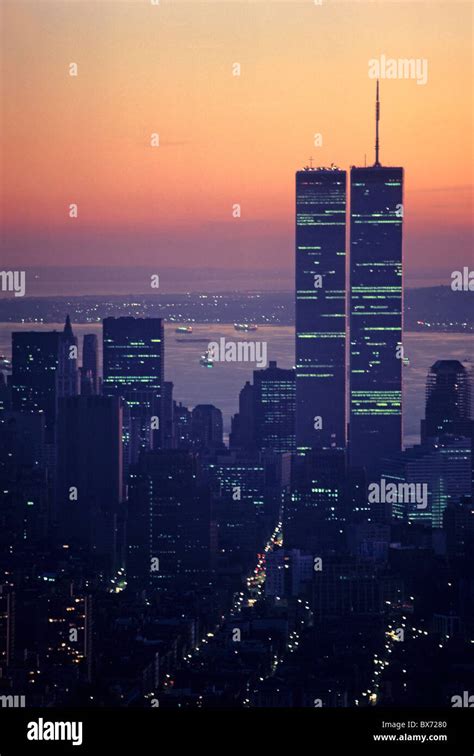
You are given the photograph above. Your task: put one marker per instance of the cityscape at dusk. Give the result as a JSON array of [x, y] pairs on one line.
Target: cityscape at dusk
[[236, 371]]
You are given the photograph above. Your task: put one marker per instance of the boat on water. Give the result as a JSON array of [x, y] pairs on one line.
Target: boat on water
[[192, 341], [205, 360], [245, 326], [184, 329]]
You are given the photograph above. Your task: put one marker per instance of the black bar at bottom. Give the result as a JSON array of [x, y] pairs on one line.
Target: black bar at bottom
[[319, 730]]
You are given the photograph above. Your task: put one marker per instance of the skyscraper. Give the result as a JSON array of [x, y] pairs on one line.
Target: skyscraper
[[90, 471], [445, 468], [320, 308], [68, 371], [266, 417], [207, 427], [314, 516], [134, 369], [89, 371], [24, 480], [275, 408], [238, 484], [168, 436], [242, 435], [182, 422], [35, 361], [44, 368], [168, 534], [376, 307], [448, 400]]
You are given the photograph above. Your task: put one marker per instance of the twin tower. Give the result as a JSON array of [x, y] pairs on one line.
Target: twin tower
[[349, 354]]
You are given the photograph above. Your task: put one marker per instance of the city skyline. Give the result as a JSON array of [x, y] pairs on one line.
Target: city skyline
[[253, 492]]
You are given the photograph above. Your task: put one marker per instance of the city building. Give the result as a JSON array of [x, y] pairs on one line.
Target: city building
[[90, 364], [34, 374], [133, 357], [448, 400], [316, 513], [266, 417], [443, 468], [169, 521], [237, 483], [376, 309], [242, 435], [68, 373], [274, 408], [320, 308], [207, 428], [89, 473], [182, 419]]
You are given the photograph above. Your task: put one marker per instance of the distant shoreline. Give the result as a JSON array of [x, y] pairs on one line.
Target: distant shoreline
[[431, 309]]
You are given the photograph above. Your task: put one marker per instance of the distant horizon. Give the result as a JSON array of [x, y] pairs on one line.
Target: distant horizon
[[107, 280]]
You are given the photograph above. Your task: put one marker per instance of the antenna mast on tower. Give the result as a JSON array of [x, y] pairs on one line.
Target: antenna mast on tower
[[377, 119]]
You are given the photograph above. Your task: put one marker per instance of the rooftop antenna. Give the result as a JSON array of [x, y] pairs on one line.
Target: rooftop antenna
[[377, 119], [311, 162]]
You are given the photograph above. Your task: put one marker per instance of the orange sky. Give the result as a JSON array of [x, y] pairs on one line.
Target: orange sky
[[223, 139]]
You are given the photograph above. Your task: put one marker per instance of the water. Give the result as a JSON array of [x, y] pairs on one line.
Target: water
[[220, 385]]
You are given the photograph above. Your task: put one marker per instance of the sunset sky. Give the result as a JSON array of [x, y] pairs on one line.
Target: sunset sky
[[224, 139]]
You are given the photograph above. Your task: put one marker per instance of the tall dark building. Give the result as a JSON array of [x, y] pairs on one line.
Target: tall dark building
[[448, 400], [90, 360], [89, 490], [444, 468], [320, 308], [44, 368], [169, 438], [315, 515], [238, 485], [242, 435], [266, 417], [68, 370], [133, 358], [207, 427], [24, 480], [168, 542], [376, 307], [275, 408], [35, 363], [182, 423]]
